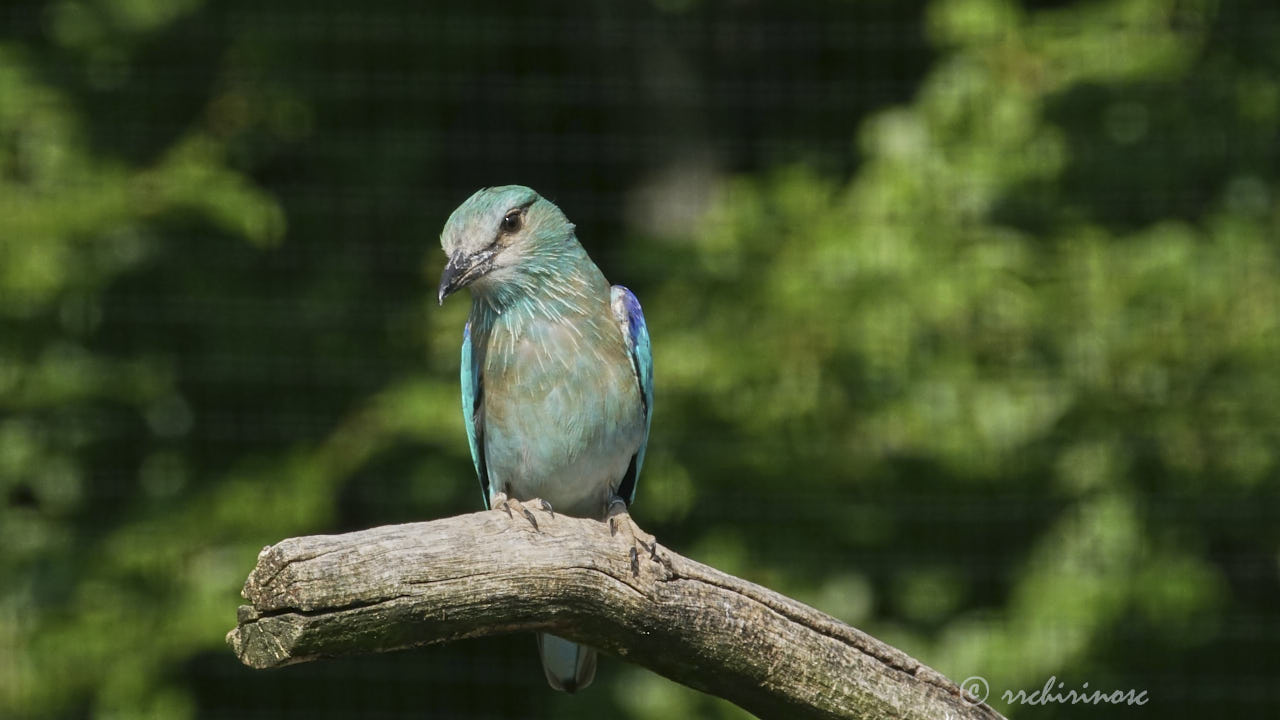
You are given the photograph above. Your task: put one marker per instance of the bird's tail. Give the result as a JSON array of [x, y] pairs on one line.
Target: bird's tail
[[568, 665]]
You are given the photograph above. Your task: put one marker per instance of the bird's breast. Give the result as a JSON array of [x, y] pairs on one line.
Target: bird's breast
[[563, 415]]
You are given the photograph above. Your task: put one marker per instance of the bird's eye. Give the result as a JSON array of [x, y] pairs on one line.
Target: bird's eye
[[511, 223]]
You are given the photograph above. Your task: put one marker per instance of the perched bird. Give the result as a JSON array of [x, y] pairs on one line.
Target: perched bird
[[557, 374]]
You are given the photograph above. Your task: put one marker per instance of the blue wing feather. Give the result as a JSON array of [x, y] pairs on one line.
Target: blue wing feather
[[472, 394], [627, 309]]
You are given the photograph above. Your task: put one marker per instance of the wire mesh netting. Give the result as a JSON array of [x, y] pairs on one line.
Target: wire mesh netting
[[964, 315]]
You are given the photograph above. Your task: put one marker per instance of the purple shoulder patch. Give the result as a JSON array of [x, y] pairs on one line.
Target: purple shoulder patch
[[630, 306]]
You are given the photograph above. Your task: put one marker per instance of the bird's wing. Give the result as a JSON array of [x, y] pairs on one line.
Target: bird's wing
[[472, 407], [626, 309]]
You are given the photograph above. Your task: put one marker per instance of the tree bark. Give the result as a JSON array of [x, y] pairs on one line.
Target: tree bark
[[489, 573]]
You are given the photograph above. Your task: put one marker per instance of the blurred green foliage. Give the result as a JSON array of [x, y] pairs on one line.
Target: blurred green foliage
[[999, 384]]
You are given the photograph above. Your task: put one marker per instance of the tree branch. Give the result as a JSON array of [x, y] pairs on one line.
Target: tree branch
[[488, 573]]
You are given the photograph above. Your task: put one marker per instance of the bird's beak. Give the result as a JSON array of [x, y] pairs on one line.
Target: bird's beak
[[449, 279], [461, 270]]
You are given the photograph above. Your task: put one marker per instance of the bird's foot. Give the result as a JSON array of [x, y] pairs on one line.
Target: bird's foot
[[500, 501], [641, 542]]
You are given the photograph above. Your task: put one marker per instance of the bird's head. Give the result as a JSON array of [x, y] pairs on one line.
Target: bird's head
[[502, 237]]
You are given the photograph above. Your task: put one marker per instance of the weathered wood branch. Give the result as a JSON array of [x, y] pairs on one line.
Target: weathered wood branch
[[488, 573]]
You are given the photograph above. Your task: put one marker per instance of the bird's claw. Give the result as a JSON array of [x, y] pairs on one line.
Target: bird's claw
[[617, 509], [547, 506], [501, 502], [528, 515], [620, 521]]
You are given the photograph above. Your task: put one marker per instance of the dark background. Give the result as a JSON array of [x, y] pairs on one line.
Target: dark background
[[965, 320]]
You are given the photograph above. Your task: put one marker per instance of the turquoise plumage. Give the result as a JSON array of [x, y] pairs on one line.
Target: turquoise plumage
[[557, 372]]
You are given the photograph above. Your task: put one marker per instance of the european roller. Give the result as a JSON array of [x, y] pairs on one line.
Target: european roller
[[557, 374]]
